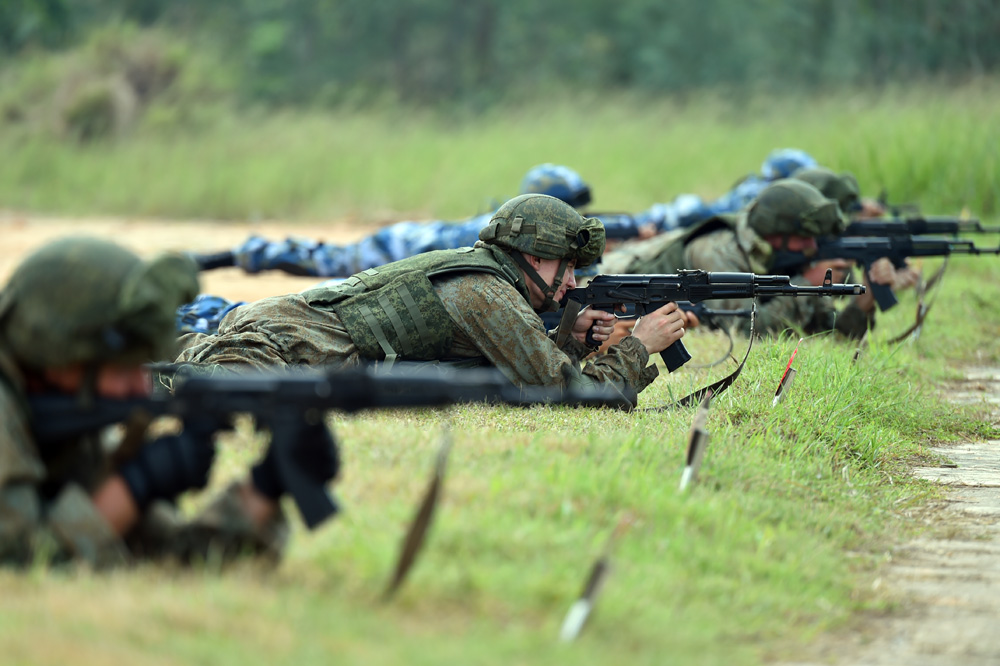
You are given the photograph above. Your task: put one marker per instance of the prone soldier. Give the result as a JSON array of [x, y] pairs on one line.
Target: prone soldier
[[788, 215], [81, 316], [476, 305]]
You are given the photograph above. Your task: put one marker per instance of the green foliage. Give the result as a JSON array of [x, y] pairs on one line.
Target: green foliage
[[120, 76], [91, 113], [443, 52]]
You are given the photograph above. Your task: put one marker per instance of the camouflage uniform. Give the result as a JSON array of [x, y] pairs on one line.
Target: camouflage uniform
[[474, 302], [302, 256], [203, 314], [731, 243], [46, 509]]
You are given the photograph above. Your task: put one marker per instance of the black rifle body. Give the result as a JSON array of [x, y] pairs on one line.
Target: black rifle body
[[865, 251], [285, 401], [917, 226], [647, 293]]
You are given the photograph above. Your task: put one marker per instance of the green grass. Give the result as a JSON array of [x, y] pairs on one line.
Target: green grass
[[795, 508], [932, 145], [797, 504]]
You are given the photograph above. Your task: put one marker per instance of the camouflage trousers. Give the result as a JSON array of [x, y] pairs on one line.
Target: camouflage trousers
[[301, 256]]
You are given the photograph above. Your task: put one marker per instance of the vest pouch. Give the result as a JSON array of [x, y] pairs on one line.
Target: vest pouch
[[403, 319]]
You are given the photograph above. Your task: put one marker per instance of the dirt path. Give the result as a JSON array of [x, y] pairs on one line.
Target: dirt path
[[948, 586], [20, 234]]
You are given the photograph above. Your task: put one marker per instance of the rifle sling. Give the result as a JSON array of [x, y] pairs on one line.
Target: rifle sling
[[717, 387], [570, 312], [922, 308]]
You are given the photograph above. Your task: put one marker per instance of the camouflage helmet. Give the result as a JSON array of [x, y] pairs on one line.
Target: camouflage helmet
[[794, 208], [545, 227], [82, 299], [843, 189], [783, 162], [557, 181]]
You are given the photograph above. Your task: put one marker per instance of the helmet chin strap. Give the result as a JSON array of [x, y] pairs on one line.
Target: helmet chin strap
[[548, 290]]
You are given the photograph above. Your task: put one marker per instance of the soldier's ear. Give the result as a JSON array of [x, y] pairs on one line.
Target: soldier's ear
[[533, 261]]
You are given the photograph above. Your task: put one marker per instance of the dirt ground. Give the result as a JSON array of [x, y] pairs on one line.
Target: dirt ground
[[20, 234], [947, 586]]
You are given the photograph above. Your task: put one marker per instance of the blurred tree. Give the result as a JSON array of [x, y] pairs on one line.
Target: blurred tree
[[26, 21], [442, 51]]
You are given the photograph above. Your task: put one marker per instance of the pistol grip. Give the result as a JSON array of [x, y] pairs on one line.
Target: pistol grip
[[312, 499], [675, 356], [884, 297]]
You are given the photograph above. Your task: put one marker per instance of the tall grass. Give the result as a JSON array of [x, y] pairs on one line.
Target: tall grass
[[926, 144]]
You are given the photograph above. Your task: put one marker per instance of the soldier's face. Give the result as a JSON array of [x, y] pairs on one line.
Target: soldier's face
[[112, 381], [791, 243], [546, 269]]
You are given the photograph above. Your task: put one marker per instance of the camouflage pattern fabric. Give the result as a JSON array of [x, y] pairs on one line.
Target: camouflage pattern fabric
[[842, 188], [493, 323], [204, 313], [46, 511], [301, 256], [745, 251]]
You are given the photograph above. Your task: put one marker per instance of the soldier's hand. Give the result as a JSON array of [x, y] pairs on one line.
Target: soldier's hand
[[691, 320], [660, 328], [905, 278], [168, 466], [647, 231], [599, 325], [870, 208], [882, 272]]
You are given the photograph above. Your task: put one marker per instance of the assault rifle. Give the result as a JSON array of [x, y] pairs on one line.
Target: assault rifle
[[864, 251], [283, 402], [651, 292], [917, 226]]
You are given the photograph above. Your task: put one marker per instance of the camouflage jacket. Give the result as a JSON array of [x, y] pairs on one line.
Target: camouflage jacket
[[492, 323], [740, 249]]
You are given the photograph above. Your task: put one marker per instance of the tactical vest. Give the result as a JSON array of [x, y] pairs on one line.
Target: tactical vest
[[393, 312], [671, 258]]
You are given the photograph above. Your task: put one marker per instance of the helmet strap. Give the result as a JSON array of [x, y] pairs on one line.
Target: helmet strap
[[548, 290]]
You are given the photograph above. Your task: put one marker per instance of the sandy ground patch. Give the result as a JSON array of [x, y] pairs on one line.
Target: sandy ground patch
[[22, 233]]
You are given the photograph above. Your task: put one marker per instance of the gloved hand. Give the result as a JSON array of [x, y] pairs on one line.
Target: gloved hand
[[166, 467], [311, 449]]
